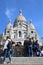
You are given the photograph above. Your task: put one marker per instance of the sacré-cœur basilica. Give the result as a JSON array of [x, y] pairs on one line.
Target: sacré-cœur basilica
[[20, 30]]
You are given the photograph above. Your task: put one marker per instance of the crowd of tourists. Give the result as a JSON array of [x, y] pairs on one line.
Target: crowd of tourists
[[31, 48]]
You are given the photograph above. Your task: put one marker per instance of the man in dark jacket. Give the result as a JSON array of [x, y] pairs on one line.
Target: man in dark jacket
[[34, 47], [26, 47], [29, 47], [38, 51]]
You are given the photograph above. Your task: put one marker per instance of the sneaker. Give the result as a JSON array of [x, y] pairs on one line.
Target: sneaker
[[10, 62], [4, 62]]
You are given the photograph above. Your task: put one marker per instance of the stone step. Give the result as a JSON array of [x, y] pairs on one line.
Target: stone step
[[21, 64], [26, 61]]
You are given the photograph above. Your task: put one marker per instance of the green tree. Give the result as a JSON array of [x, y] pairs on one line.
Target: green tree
[[0, 37]]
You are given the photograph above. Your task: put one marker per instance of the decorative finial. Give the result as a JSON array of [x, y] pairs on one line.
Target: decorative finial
[[20, 12], [30, 20], [3, 33], [9, 21]]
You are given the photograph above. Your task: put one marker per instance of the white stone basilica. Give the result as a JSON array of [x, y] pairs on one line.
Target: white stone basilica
[[20, 30]]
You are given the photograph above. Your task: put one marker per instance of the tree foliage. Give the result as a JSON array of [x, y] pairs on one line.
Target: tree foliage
[[0, 37]]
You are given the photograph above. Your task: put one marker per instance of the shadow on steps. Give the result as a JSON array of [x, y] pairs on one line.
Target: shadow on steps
[[1, 60]]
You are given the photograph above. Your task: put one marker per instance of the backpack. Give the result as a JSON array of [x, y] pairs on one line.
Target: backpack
[[9, 45]]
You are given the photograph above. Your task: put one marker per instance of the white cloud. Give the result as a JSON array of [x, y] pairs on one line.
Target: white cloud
[[10, 13]]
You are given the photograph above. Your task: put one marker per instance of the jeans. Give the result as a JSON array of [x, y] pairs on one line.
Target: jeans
[[6, 51], [30, 51]]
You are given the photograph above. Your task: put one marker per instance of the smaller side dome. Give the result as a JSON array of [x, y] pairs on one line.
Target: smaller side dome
[[31, 25], [9, 25]]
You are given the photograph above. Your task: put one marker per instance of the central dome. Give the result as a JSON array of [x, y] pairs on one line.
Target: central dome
[[20, 17]]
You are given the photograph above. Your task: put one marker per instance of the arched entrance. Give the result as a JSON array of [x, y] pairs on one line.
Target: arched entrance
[[19, 49], [19, 33], [19, 43]]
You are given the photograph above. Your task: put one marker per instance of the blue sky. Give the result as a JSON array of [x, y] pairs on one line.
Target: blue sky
[[9, 10]]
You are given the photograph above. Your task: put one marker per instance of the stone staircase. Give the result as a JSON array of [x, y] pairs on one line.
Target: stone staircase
[[25, 61]]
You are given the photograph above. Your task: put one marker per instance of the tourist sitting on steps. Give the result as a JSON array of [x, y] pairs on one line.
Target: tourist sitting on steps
[[38, 51]]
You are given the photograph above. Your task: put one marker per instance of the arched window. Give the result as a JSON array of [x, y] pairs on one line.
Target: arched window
[[31, 31], [7, 31], [14, 36], [19, 33]]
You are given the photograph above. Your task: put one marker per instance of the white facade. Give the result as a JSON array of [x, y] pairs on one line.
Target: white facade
[[20, 30]]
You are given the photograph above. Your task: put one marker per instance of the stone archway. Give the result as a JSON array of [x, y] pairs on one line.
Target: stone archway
[[19, 49], [19, 43]]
